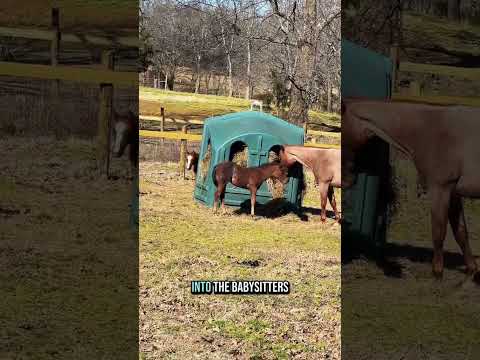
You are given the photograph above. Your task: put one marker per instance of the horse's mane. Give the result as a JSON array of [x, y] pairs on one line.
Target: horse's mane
[[275, 162]]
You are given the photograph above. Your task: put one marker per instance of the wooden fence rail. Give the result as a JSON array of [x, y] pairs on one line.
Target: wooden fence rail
[[176, 135], [172, 135], [438, 99], [465, 73], [68, 73], [414, 92], [336, 135], [170, 120], [49, 35]]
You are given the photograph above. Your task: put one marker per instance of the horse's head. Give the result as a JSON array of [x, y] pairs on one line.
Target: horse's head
[[280, 172], [123, 130], [192, 159]]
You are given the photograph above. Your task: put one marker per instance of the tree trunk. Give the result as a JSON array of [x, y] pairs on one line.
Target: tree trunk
[[299, 106], [207, 82], [248, 90], [230, 75], [197, 82], [454, 9], [171, 80], [329, 96], [298, 112]]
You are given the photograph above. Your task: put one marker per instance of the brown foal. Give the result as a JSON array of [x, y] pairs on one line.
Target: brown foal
[[246, 178]]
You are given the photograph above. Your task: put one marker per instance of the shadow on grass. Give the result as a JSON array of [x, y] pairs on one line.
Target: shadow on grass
[[317, 212], [389, 257], [277, 208], [274, 209]]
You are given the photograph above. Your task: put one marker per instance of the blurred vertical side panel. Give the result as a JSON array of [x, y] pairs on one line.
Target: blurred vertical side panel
[[68, 189], [410, 237]]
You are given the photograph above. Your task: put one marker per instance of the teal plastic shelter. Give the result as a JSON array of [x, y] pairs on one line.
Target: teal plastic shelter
[[366, 74], [260, 133]]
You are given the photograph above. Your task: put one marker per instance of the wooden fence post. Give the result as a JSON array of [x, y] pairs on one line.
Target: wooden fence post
[[54, 50], [55, 44], [104, 119], [162, 122], [183, 152]]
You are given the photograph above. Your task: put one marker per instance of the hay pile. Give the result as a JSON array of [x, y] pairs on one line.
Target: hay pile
[[275, 186], [240, 158], [205, 163]]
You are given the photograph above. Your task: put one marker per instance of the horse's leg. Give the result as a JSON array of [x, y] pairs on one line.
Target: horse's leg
[[439, 213], [323, 187], [253, 199], [223, 203], [459, 228], [218, 195], [331, 198]]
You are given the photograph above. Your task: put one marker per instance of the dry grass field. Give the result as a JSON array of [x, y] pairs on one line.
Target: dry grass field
[[181, 241], [62, 252], [405, 313]]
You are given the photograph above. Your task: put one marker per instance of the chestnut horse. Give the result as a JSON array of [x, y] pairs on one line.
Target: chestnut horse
[[443, 144], [326, 167], [192, 162], [125, 132], [246, 178]]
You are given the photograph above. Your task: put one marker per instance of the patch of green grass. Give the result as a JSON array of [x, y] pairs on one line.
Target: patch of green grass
[[330, 119], [255, 332], [189, 106], [252, 331]]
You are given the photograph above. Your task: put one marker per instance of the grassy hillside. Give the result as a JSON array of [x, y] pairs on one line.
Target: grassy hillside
[[433, 39], [190, 106]]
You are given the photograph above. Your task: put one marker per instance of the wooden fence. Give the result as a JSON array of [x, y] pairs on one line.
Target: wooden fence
[[50, 35], [163, 119], [178, 135], [105, 77], [415, 93], [183, 136]]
